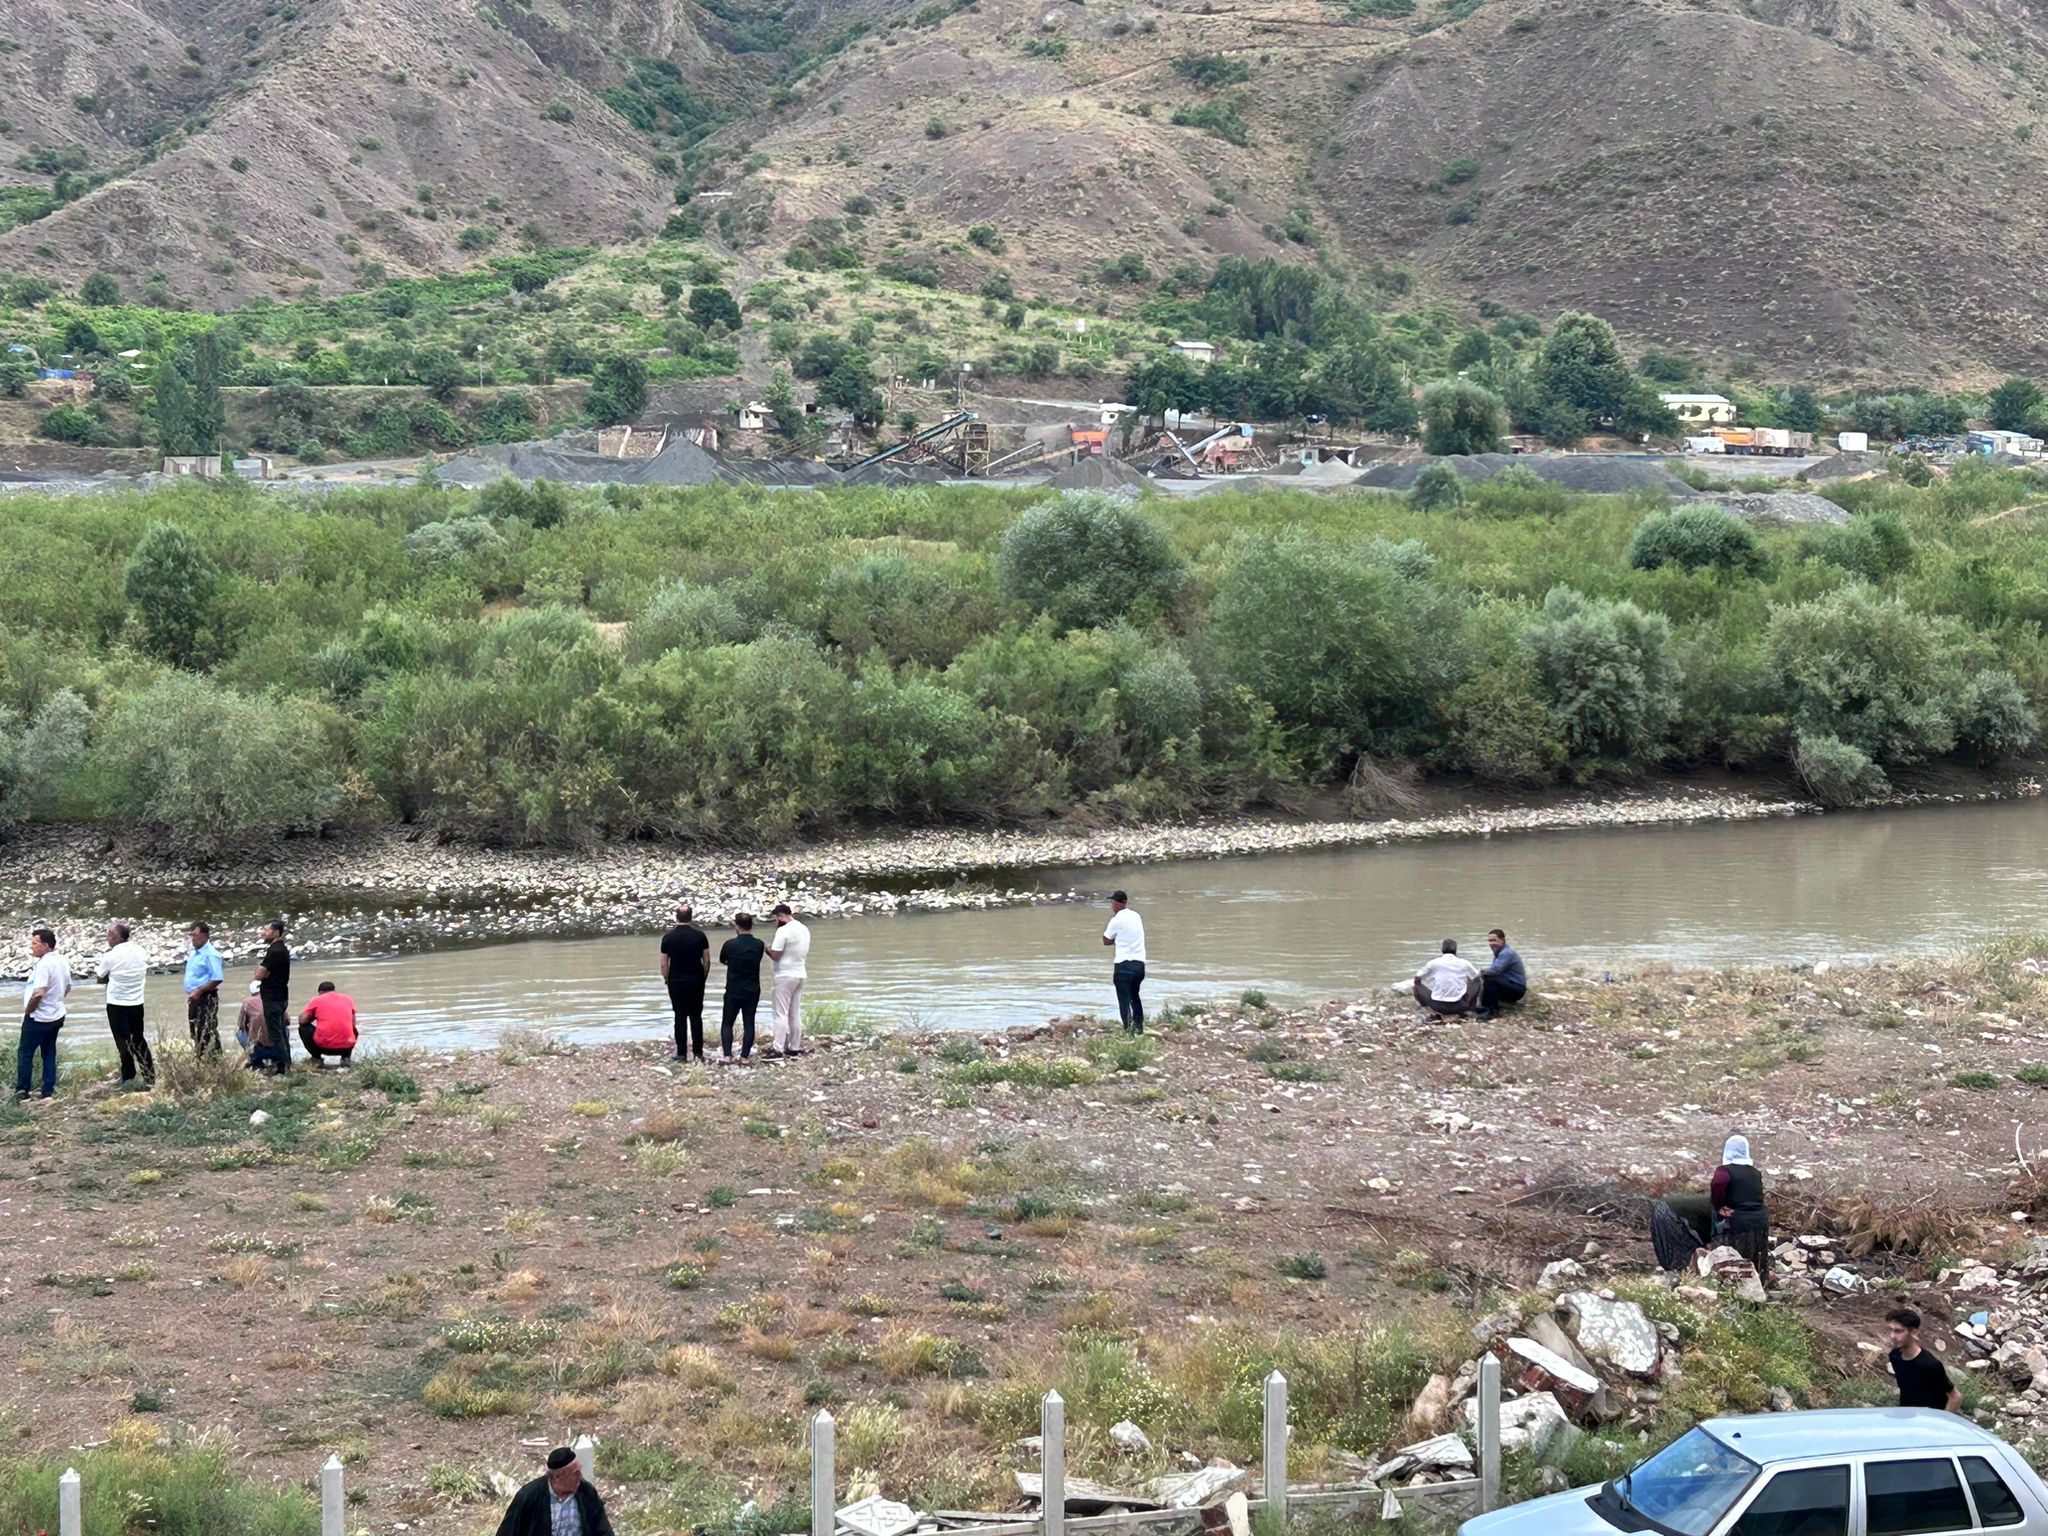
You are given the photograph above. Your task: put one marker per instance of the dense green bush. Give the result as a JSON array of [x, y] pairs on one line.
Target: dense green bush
[[1897, 685], [1460, 417], [1087, 558], [1695, 538], [206, 770], [1354, 644], [170, 584], [1610, 677], [1437, 489], [1836, 773], [728, 663]]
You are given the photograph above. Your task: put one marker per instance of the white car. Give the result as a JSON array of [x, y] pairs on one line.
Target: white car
[[1828, 1472]]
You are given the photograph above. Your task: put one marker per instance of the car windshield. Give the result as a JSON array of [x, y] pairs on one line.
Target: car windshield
[[1689, 1484]]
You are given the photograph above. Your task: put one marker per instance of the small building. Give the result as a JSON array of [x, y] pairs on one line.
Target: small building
[[1090, 442], [755, 417], [1715, 409], [256, 467], [1199, 353], [203, 466]]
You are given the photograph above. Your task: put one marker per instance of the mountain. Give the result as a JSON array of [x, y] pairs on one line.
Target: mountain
[[1829, 189]]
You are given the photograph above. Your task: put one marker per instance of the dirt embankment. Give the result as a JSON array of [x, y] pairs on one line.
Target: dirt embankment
[[437, 1265]]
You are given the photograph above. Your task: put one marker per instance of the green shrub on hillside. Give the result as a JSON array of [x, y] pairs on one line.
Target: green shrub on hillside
[[1460, 417], [1438, 488]]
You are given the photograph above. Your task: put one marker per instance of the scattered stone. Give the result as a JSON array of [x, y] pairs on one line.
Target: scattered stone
[[1130, 1437], [1733, 1273], [1843, 1281], [1441, 1453], [1537, 1424], [1560, 1274]]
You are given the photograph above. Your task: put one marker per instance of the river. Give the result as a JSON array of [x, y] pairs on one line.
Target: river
[[1295, 926]]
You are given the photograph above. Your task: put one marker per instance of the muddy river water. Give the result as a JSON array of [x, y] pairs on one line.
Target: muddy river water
[[1295, 926]]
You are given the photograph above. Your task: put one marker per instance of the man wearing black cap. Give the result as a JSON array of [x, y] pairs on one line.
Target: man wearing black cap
[[559, 1504]]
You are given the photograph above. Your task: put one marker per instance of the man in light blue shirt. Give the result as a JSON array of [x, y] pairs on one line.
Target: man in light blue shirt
[[203, 976]]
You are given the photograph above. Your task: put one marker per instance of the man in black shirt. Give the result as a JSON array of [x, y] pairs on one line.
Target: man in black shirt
[[274, 982], [1923, 1380], [741, 956], [685, 962]]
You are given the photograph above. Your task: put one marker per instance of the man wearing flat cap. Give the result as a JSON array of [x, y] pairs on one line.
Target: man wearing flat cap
[[560, 1503]]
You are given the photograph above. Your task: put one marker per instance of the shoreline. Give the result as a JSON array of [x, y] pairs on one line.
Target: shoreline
[[395, 890]]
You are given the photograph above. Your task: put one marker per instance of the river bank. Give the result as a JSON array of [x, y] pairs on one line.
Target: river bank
[[435, 1265], [395, 890]]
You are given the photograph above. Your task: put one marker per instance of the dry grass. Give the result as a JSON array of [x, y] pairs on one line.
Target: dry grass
[[767, 1346], [696, 1369], [249, 1269], [522, 1285], [662, 1125]]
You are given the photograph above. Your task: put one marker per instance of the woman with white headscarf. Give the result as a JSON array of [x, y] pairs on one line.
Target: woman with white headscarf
[[1740, 1217]]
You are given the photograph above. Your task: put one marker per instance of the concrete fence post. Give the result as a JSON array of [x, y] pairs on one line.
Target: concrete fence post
[[330, 1497], [586, 1456], [1052, 1464], [70, 1514], [1274, 1466], [824, 1482], [1489, 1434]]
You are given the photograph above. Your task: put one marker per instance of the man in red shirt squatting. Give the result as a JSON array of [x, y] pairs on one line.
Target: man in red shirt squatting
[[328, 1026]]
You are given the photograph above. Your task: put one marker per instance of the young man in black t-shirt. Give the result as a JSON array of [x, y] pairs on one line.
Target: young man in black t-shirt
[[1923, 1380], [685, 962], [274, 984], [741, 956]]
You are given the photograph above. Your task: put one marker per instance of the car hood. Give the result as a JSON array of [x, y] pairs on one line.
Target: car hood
[[1561, 1514]]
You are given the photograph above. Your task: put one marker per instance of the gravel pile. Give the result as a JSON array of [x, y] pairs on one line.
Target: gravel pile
[[1845, 466], [1097, 474], [1779, 506]]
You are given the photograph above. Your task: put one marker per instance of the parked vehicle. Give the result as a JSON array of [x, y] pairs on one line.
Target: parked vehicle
[[1774, 441], [1827, 1472]]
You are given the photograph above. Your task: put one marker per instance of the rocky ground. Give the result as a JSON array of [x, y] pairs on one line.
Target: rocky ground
[[400, 889], [435, 1266]]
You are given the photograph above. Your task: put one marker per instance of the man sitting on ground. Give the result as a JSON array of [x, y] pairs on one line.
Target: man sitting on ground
[[1503, 983], [328, 1026], [1448, 984]]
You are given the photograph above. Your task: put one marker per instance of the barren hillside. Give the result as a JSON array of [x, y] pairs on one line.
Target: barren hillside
[[1837, 188]]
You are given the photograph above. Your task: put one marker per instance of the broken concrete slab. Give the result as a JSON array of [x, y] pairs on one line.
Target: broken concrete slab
[[1083, 1496], [1442, 1453], [1612, 1332], [1546, 1330], [878, 1517], [1536, 1369], [1536, 1424], [1192, 1490]]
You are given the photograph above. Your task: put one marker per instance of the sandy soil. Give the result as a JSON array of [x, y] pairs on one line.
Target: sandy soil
[[299, 1283]]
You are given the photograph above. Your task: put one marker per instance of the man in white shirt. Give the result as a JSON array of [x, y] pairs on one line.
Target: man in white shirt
[[42, 1012], [123, 968], [1449, 983], [788, 949], [1126, 935]]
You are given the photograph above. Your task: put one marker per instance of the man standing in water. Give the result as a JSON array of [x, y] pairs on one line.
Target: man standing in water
[[788, 948], [685, 962], [203, 976], [741, 957], [274, 981], [1126, 936]]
